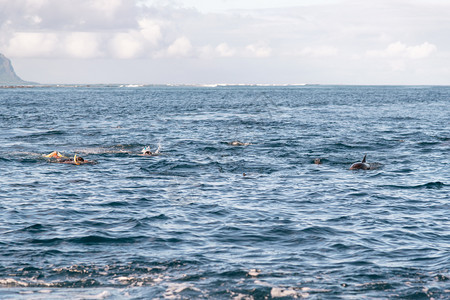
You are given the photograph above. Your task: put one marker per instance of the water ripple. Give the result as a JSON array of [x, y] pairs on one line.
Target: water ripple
[[206, 219]]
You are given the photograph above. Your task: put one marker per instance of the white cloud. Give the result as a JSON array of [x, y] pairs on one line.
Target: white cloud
[[150, 30], [258, 50], [126, 45], [322, 51], [107, 7], [398, 65], [181, 47], [224, 50], [400, 50], [339, 31], [421, 51], [31, 44], [82, 45]]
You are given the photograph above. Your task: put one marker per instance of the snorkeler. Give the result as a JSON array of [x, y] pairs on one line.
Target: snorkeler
[[147, 152], [61, 159], [76, 160], [55, 154]]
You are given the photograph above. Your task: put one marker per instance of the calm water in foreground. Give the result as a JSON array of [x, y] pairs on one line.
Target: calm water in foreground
[[188, 224]]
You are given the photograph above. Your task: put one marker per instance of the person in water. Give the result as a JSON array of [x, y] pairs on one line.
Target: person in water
[[146, 151], [59, 158], [55, 154]]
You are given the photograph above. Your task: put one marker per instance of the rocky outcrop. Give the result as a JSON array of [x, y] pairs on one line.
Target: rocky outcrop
[[7, 74]]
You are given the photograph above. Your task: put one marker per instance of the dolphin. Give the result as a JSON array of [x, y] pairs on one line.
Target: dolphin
[[361, 165]]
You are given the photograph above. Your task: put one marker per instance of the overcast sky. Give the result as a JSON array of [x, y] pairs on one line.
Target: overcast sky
[[228, 41]]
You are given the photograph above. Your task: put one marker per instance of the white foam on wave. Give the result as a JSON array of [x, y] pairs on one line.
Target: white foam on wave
[[158, 149], [26, 292], [277, 292], [262, 283], [175, 288], [138, 281], [213, 85], [102, 295], [12, 282], [131, 85], [238, 296], [254, 272]]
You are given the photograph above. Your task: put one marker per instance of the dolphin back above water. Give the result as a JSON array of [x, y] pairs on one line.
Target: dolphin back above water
[[361, 165]]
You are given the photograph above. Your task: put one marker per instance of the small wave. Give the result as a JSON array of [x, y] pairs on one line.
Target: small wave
[[83, 283], [321, 230], [95, 239], [429, 185], [34, 228], [115, 203], [160, 217], [87, 240], [43, 133]]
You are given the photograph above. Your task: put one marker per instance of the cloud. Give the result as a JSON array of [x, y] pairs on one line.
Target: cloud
[[299, 35], [258, 50], [180, 47], [31, 44], [400, 50], [82, 45], [126, 45], [150, 30], [224, 50], [421, 51], [109, 8], [321, 51]]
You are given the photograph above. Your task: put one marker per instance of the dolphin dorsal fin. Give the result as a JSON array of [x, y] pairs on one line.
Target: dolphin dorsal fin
[[364, 158]]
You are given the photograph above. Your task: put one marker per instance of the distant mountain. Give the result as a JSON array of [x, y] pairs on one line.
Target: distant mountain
[[7, 74]]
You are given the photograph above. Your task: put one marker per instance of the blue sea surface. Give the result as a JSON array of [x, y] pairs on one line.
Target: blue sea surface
[[209, 220]]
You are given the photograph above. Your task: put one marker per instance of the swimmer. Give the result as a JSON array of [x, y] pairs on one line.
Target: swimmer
[[146, 151], [55, 154], [76, 160], [317, 161], [56, 157]]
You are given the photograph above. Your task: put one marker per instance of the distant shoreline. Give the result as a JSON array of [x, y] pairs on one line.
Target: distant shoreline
[[117, 85]]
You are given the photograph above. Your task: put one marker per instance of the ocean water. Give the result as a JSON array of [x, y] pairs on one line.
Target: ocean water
[[209, 220]]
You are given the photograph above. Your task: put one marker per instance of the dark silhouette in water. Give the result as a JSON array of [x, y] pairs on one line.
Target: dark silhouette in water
[[361, 165]]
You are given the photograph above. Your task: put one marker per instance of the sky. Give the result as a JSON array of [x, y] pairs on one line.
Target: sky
[[228, 41]]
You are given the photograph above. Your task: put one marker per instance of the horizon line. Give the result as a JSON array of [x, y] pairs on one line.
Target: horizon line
[[211, 85]]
